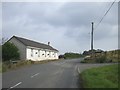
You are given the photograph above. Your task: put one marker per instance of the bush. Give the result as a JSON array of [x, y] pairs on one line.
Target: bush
[[83, 61], [72, 55], [5, 67], [10, 52], [101, 59]]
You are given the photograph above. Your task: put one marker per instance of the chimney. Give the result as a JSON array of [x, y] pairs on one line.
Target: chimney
[[49, 43]]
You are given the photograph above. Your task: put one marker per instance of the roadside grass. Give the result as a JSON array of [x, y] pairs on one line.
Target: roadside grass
[[6, 66], [101, 77], [0, 67], [104, 57]]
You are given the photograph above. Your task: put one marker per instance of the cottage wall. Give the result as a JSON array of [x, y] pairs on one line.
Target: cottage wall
[[20, 46], [38, 54], [33, 53]]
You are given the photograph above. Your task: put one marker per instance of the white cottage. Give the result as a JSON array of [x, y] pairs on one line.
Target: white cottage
[[31, 50]]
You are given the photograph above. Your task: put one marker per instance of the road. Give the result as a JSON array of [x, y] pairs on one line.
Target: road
[[57, 74]]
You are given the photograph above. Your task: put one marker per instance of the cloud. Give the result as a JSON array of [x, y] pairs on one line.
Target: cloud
[[67, 25]]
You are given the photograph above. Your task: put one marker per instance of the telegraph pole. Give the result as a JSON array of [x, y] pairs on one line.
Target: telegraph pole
[[92, 37]]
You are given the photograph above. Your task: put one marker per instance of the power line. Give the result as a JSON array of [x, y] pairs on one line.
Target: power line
[[104, 15], [102, 10]]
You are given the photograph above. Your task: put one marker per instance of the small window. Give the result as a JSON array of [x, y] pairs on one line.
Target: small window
[[49, 54], [45, 53], [31, 52], [36, 52]]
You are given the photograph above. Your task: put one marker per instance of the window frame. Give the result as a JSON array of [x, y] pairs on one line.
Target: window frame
[[38, 53], [31, 52]]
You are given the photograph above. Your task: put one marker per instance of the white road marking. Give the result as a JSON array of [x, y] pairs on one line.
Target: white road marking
[[78, 70], [15, 85], [35, 75]]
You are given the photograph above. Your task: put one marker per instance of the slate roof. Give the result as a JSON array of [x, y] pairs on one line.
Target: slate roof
[[31, 43]]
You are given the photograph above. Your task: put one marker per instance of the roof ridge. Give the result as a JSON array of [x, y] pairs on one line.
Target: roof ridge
[[30, 40]]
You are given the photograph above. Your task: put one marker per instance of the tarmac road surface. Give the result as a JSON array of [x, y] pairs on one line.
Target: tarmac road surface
[[57, 74]]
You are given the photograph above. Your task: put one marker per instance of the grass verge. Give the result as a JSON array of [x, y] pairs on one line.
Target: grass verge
[[101, 77], [0, 67]]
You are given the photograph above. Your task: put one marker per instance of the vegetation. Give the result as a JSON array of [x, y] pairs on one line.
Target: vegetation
[[11, 58], [0, 67], [101, 77], [113, 55], [0, 58], [94, 51], [72, 55], [10, 52], [103, 57]]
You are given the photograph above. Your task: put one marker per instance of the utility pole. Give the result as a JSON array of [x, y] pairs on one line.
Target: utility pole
[[92, 37], [92, 41]]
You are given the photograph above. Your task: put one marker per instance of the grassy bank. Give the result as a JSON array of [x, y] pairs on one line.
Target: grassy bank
[[101, 77], [10, 66], [0, 67], [104, 57]]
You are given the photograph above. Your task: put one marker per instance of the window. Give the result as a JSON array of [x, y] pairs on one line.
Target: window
[[55, 55], [49, 54], [31, 52], [38, 53], [45, 53]]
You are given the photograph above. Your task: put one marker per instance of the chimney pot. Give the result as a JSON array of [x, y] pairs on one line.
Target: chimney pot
[[48, 43]]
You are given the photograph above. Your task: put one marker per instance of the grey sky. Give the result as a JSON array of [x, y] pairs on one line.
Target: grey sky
[[66, 25]]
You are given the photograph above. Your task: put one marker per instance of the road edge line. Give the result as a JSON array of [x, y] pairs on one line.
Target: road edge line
[[78, 70]]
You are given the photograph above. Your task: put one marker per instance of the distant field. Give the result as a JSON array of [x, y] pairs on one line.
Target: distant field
[[101, 77]]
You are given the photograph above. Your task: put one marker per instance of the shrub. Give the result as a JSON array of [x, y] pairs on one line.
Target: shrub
[[101, 59], [83, 61], [4, 67], [72, 55], [10, 52]]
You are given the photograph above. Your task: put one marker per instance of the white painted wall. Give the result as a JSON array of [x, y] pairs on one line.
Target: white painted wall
[[40, 54]]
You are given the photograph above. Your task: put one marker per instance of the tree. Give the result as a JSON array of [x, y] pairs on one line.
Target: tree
[[10, 52], [72, 55]]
